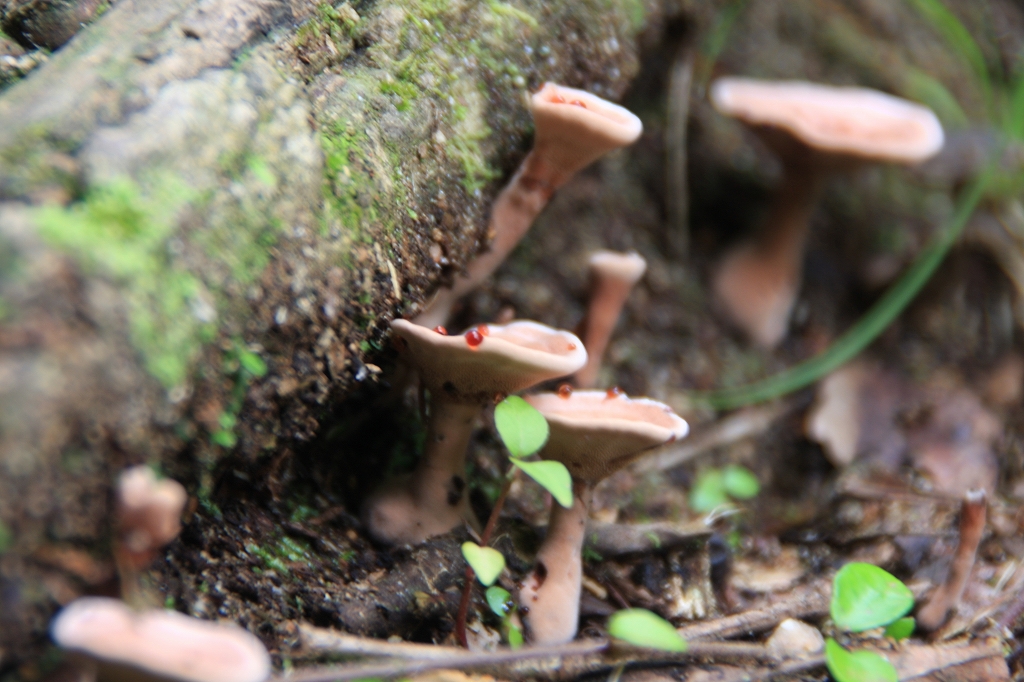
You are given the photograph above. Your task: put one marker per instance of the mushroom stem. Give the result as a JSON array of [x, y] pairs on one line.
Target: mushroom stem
[[550, 596], [432, 500], [758, 282], [512, 214], [612, 277]]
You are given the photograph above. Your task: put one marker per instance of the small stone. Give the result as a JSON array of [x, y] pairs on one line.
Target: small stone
[[795, 638]]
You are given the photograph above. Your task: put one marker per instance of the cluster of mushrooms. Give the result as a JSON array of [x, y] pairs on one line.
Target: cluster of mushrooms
[[110, 640], [814, 130]]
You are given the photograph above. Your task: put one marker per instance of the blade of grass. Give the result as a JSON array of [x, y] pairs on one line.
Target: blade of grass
[[959, 38], [867, 329], [717, 39]]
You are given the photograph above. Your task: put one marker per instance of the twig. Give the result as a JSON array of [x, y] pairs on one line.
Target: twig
[[617, 539], [676, 185], [450, 657], [566, 660], [808, 601], [746, 423], [972, 527]]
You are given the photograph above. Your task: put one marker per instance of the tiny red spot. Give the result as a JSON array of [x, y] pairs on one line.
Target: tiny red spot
[[565, 391], [614, 392], [474, 338], [572, 346], [441, 330], [557, 99], [484, 331], [578, 103]]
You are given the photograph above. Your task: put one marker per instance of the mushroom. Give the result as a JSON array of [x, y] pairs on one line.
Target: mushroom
[[594, 434], [149, 515], [573, 128], [462, 373], [814, 129], [612, 276], [157, 645]]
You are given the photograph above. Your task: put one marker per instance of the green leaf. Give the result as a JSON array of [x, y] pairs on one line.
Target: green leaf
[[859, 666], [901, 629], [224, 438], [640, 627], [740, 482], [514, 636], [708, 491], [486, 562], [499, 600], [6, 538], [865, 596], [553, 476], [252, 363], [522, 428]]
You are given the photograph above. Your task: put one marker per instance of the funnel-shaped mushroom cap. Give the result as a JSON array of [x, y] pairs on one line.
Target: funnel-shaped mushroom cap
[[596, 433], [574, 128], [841, 120], [163, 644], [624, 267], [490, 360]]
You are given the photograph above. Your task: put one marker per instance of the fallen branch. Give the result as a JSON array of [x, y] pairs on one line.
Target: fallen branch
[[746, 423], [567, 660]]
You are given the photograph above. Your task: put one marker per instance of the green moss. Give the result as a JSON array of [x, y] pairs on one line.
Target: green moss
[[326, 38], [506, 10], [119, 233], [280, 551]]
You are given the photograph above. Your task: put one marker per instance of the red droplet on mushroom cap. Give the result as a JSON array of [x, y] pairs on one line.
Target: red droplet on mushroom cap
[[565, 391], [614, 392], [516, 356], [484, 331], [441, 330]]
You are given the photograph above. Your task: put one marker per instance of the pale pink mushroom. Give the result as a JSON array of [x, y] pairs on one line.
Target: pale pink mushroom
[[157, 644], [594, 434], [148, 516], [814, 129], [612, 276], [572, 129], [462, 373]]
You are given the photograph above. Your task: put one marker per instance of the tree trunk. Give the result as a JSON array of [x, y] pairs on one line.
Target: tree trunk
[[210, 210]]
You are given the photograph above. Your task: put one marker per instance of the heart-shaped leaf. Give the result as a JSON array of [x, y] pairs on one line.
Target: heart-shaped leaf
[[708, 491], [522, 428], [859, 666], [640, 627], [740, 482], [487, 563], [553, 476], [499, 600], [901, 629], [865, 596]]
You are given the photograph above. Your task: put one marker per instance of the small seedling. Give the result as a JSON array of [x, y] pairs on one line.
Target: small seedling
[[524, 431], [865, 596], [640, 627], [487, 563], [857, 666], [503, 607], [718, 487]]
